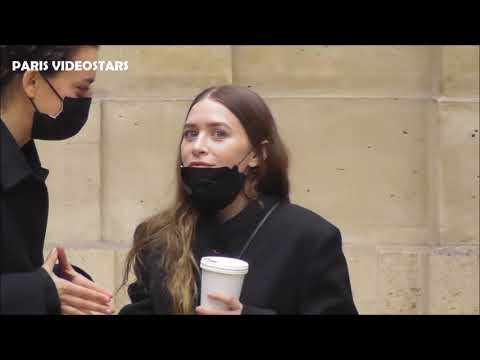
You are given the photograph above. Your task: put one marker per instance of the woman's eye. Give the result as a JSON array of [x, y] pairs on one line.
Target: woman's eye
[[189, 134], [219, 133]]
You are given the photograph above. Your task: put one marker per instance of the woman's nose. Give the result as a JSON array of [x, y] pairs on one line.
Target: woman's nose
[[200, 146]]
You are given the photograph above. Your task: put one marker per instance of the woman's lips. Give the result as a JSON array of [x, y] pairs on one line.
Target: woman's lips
[[199, 164]]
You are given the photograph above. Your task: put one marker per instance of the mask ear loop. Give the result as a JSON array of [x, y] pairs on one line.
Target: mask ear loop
[[244, 158], [251, 150], [56, 93], [51, 87]]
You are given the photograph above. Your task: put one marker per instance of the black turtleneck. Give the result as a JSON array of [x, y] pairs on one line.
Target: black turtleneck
[[228, 239], [296, 263]]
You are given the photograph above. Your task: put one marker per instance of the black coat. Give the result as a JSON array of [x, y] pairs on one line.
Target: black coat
[[25, 287], [296, 263]]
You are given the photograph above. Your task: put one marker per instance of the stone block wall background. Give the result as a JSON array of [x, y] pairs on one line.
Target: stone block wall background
[[384, 142]]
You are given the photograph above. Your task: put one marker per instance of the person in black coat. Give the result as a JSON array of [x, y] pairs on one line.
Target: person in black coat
[[39, 103], [233, 201]]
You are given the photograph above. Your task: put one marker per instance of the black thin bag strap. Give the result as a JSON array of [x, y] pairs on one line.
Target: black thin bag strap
[[249, 241]]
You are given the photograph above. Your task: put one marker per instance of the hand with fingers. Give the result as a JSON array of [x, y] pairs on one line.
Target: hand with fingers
[[234, 306], [78, 295]]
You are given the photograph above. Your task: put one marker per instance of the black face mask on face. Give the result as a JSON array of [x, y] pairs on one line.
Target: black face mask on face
[[67, 123], [212, 189]]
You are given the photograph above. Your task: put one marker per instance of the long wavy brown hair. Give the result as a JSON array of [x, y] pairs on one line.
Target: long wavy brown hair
[[172, 231]]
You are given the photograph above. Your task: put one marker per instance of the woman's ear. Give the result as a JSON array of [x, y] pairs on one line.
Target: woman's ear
[[254, 160], [30, 83]]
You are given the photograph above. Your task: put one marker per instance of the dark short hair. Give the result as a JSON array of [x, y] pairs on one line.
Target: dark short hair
[[49, 53]]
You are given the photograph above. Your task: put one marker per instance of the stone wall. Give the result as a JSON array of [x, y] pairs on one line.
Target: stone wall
[[384, 143]]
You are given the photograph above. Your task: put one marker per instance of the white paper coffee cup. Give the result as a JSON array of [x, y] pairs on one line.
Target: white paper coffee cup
[[221, 275]]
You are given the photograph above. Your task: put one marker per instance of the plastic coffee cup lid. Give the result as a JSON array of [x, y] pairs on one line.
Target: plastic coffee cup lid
[[224, 265]]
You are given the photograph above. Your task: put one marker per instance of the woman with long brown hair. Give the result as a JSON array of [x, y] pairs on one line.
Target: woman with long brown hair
[[232, 176]]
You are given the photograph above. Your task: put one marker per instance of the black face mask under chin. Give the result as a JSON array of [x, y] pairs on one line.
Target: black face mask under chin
[[67, 123], [212, 189]]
